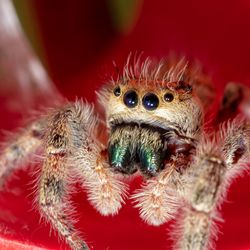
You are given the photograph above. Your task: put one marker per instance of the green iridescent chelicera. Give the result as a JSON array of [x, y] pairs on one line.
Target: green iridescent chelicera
[[119, 155], [151, 159], [131, 147], [119, 149]]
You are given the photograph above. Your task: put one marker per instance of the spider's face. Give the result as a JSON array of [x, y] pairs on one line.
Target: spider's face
[[143, 117], [171, 107]]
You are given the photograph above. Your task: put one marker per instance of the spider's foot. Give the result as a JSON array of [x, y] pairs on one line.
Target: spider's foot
[[77, 243]]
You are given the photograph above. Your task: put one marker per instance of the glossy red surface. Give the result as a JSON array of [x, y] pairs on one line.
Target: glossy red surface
[[81, 44]]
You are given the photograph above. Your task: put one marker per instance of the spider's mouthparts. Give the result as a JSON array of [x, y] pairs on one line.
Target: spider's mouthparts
[[130, 144]]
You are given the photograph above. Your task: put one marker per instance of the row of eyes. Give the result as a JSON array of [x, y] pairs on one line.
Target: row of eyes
[[150, 101]]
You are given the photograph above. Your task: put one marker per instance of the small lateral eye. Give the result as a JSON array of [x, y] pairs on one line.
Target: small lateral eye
[[117, 91], [168, 97]]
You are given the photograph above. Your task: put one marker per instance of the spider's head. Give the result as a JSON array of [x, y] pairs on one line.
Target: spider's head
[[172, 106], [143, 108]]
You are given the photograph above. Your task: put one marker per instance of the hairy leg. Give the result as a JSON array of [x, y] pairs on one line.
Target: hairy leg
[[235, 100], [105, 191], [208, 179], [71, 150], [196, 224], [160, 197], [53, 202], [158, 200], [55, 176], [20, 149]]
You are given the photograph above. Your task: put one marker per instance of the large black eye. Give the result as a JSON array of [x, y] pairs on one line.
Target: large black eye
[[150, 101], [168, 97], [130, 99], [117, 91]]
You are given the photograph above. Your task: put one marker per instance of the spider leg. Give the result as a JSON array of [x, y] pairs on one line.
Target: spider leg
[[195, 226], [235, 100], [158, 200], [160, 197], [105, 192], [71, 149], [217, 160], [16, 152], [233, 97], [53, 201]]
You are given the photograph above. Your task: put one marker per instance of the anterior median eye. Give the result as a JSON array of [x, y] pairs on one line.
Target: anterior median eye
[[117, 91], [168, 97], [130, 99], [150, 101]]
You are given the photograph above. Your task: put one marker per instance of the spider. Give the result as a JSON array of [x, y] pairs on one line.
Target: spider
[[153, 125]]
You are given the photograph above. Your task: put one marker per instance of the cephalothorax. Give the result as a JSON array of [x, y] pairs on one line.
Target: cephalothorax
[[153, 123], [144, 115]]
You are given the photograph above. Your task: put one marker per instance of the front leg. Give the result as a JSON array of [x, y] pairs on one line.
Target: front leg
[[53, 200], [203, 192], [217, 160], [55, 178], [71, 149]]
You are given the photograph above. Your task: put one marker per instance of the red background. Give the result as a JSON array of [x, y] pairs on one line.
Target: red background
[[80, 43]]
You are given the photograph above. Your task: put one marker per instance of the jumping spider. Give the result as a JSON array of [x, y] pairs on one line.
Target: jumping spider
[[154, 125]]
